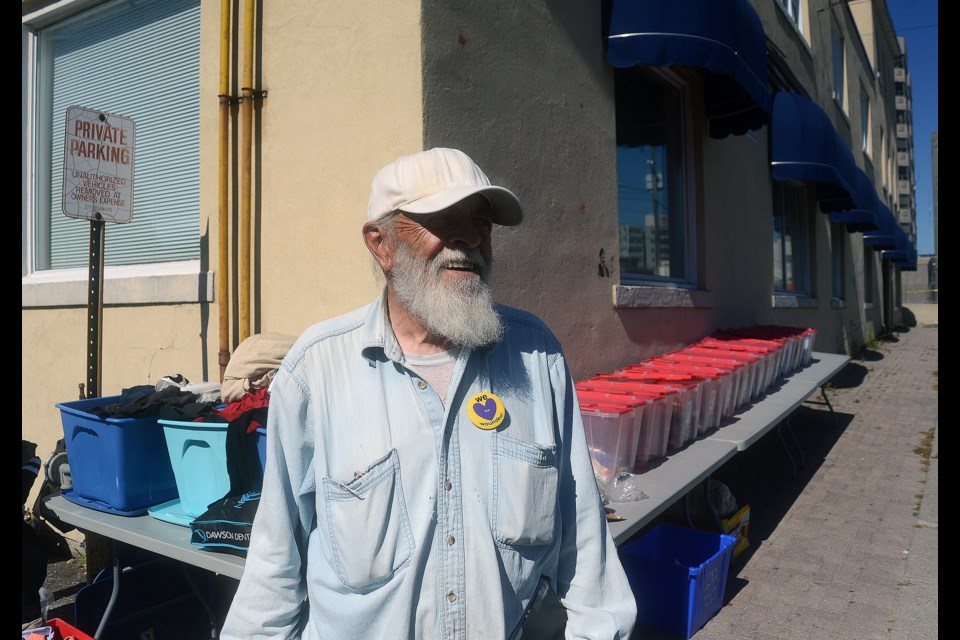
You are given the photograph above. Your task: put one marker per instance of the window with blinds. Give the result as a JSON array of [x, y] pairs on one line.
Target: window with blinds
[[140, 60]]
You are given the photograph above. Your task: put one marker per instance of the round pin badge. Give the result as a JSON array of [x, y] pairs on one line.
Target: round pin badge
[[486, 411]]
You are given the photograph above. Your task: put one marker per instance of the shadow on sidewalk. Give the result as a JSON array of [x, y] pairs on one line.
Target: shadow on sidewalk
[[763, 476], [851, 376]]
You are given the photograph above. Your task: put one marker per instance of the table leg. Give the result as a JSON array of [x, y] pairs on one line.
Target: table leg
[[113, 594], [793, 434], [203, 601], [786, 449], [823, 392]]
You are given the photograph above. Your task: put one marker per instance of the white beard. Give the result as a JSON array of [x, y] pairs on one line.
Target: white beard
[[461, 313]]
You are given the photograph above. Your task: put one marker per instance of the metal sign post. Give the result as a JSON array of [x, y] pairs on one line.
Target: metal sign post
[[95, 309], [98, 152]]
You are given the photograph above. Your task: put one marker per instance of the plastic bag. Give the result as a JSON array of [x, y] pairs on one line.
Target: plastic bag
[[722, 500], [623, 487]]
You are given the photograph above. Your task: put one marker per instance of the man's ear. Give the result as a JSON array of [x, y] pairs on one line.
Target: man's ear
[[379, 244]]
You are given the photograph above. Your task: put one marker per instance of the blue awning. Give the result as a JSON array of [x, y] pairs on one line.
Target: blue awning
[[863, 218], [902, 252], [805, 146], [894, 255], [911, 262], [905, 254], [724, 38], [885, 236]]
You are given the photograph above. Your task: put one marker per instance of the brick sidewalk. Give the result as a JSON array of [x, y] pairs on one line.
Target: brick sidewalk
[[829, 547]]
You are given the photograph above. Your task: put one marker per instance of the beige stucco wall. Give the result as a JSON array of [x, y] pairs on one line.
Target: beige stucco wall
[[140, 346], [344, 99], [343, 82]]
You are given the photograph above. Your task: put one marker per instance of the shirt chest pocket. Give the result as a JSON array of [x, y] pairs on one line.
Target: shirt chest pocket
[[525, 480], [368, 526]]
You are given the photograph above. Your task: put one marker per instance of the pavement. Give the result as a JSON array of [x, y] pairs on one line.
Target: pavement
[[843, 547]]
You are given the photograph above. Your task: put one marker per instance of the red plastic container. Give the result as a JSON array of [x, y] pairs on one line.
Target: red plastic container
[[611, 432], [767, 353], [710, 401], [690, 395], [777, 349], [681, 417], [657, 415], [756, 364], [649, 436], [63, 630], [736, 370]]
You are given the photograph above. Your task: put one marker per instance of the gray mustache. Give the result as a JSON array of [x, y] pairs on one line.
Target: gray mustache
[[449, 257]]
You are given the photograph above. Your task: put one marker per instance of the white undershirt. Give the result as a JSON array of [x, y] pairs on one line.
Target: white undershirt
[[435, 368]]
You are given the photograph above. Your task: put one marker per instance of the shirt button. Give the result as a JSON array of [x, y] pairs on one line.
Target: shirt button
[[451, 539], [448, 485], [451, 596], [421, 385]]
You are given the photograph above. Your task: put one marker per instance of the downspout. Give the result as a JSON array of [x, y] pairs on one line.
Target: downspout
[[246, 128], [223, 225]]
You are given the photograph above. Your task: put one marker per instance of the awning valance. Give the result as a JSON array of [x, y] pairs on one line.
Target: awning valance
[[885, 236], [805, 146], [904, 256], [863, 218], [723, 38], [910, 264]]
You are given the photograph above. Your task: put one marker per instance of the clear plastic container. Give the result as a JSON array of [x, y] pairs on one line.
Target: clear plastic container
[[655, 419], [681, 417], [611, 438]]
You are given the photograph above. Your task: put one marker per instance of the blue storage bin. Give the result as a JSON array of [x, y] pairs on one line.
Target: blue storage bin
[[198, 453], [114, 462], [678, 576]]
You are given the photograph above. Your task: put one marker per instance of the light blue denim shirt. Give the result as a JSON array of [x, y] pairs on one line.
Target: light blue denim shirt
[[386, 515]]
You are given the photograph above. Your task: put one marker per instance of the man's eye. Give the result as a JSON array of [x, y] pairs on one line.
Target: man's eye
[[443, 221], [483, 225]]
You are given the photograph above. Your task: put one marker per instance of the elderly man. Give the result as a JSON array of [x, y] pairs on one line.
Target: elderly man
[[427, 471]]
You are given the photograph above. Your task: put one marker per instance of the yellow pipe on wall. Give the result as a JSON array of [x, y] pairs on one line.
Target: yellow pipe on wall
[[246, 129], [223, 209]]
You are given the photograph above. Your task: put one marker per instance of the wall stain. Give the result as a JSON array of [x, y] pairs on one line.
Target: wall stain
[[602, 269]]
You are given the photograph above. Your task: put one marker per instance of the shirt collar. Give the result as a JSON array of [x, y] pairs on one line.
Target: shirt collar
[[379, 342]]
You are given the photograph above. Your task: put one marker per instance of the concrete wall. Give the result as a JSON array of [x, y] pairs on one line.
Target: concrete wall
[[917, 286], [525, 89]]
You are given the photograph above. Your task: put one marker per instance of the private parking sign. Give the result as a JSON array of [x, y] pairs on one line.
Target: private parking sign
[[98, 153]]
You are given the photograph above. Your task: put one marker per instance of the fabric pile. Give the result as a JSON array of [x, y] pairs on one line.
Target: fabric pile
[[225, 526]]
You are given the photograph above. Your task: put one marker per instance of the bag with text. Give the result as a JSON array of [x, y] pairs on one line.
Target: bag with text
[[226, 524]]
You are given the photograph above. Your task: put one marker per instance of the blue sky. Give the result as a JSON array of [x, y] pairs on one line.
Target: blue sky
[[916, 21]]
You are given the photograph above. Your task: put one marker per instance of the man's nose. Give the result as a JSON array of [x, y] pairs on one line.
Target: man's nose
[[465, 234]]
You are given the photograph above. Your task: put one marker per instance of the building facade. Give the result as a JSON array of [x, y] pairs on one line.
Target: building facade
[[671, 189]]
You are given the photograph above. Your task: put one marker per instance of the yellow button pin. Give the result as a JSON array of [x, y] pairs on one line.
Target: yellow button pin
[[486, 411]]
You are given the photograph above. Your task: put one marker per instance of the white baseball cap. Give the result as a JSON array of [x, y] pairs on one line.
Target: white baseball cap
[[434, 180]]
